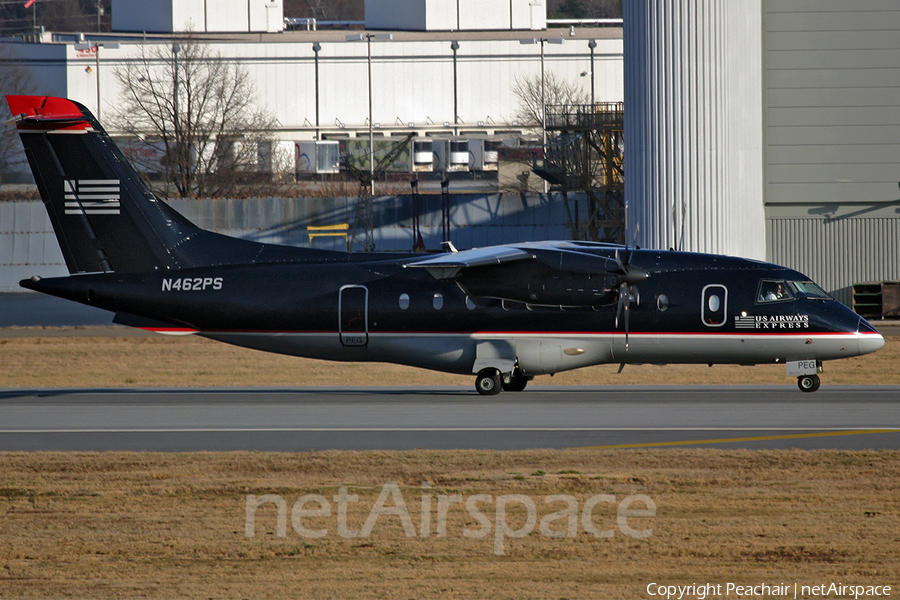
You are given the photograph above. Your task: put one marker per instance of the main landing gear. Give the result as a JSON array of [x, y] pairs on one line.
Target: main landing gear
[[490, 382], [808, 383]]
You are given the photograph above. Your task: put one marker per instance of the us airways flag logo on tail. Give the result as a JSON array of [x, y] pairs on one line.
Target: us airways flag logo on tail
[[91, 196]]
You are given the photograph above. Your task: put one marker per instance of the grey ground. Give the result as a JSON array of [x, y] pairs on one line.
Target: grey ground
[[843, 417]]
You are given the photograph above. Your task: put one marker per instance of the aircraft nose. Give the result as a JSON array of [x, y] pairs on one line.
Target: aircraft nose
[[869, 339]]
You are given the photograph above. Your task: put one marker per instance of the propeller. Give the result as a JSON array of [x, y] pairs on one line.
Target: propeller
[[629, 277]]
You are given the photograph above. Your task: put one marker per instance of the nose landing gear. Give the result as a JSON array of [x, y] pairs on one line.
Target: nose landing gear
[[808, 383]]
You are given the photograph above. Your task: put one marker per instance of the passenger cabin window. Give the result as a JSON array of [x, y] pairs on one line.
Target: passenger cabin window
[[438, 302], [714, 307], [404, 301], [662, 303]]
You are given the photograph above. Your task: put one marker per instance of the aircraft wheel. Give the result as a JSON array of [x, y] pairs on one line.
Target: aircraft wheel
[[517, 383], [808, 383], [488, 383]]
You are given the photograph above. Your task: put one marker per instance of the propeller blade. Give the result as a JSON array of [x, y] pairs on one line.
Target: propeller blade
[[637, 228], [623, 309], [621, 303]]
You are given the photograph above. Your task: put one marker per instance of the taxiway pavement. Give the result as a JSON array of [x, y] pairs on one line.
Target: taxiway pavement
[[839, 417]]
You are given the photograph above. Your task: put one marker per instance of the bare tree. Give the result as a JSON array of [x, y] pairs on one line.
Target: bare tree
[[556, 92], [14, 80], [199, 110]]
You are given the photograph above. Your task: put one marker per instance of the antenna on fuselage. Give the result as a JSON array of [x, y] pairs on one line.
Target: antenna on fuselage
[[679, 244]]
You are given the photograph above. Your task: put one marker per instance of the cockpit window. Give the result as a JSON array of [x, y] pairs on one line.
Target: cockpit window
[[780, 290], [808, 289], [774, 290]]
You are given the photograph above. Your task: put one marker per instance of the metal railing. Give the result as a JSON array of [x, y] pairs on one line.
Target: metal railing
[[585, 116]]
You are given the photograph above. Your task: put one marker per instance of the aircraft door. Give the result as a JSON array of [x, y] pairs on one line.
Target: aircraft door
[[353, 316], [714, 305]]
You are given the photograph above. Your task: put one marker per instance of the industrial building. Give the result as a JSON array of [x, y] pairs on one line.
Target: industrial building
[[761, 128], [315, 83]]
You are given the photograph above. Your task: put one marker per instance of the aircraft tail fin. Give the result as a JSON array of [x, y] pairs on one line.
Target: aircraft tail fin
[[105, 216]]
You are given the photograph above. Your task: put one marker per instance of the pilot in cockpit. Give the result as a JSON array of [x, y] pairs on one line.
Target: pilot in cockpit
[[777, 293], [774, 290]]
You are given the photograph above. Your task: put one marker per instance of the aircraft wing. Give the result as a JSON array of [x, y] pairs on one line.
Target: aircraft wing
[[562, 256], [448, 266]]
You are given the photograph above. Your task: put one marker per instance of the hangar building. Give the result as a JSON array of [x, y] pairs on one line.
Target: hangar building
[[769, 129]]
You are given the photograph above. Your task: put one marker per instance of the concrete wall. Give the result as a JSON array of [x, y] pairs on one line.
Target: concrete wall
[[28, 245]]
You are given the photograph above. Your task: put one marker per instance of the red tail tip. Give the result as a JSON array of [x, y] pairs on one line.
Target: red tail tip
[[44, 107]]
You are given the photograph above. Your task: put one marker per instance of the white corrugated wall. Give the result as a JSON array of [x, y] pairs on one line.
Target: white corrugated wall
[[693, 125], [412, 80], [837, 253]]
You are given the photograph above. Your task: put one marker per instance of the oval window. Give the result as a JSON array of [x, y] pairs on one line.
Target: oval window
[[714, 303], [662, 303], [470, 304], [404, 301], [438, 302]]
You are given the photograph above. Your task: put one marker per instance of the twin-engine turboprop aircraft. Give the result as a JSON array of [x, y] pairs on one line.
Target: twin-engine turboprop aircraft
[[503, 314]]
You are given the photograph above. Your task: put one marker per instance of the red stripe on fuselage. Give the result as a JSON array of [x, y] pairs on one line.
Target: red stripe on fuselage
[[517, 333]]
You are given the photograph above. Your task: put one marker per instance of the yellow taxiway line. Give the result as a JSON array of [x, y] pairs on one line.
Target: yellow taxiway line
[[761, 438]]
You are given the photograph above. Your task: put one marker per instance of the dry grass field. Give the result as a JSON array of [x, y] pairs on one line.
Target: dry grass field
[[141, 361], [174, 525]]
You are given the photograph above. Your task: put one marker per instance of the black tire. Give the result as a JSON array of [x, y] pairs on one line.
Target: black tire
[[517, 383], [808, 383], [488, 383]]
